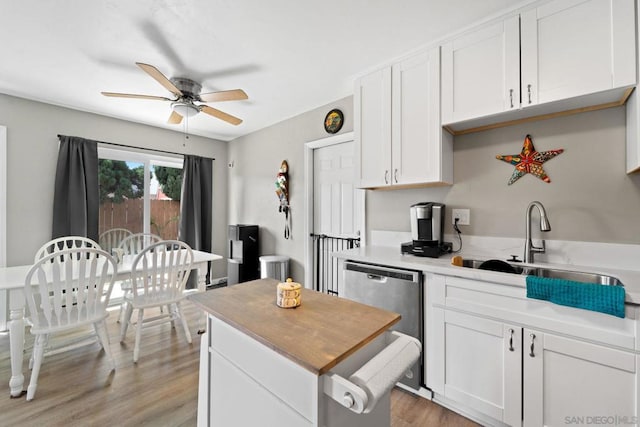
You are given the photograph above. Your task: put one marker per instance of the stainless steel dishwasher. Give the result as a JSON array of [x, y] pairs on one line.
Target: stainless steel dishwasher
[[392, 289]]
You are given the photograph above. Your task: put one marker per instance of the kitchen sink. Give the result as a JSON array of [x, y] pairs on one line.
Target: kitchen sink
[[552, 273], [576, 276], [493, 265]]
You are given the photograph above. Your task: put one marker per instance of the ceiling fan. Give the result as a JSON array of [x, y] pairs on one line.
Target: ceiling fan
[[187, 93]]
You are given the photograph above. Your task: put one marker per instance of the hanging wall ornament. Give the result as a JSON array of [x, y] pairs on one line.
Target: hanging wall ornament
[[282, 190], [529, 161]]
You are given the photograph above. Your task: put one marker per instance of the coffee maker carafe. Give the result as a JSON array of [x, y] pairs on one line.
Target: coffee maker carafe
[[427, 230]]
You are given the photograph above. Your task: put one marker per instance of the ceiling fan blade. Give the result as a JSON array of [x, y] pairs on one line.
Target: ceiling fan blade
[[174, 118], [132, 95], [220, 115], [225, 95], [160, 78]]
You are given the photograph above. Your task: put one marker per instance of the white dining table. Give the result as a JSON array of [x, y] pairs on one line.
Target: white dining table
[[12, 280]]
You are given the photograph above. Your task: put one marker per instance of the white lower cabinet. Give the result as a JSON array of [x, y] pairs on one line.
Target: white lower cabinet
[[480, 370], [497, 367], [568, 381]]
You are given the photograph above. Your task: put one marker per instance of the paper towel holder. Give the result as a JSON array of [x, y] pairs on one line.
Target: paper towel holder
[[356, 397]]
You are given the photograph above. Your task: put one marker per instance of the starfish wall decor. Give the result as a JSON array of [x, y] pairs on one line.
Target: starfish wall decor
[[529, 161]]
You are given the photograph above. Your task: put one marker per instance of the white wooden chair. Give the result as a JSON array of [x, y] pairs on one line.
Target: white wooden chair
[[133, 245], [158, 277], [64, 243], [68, 290], [54, 246], [110, 239]]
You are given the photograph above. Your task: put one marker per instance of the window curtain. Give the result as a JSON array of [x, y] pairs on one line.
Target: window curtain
[[196, 206], [76, 200]]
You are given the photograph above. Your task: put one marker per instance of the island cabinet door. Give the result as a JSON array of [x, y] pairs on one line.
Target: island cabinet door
[[570, 382], [481, 362], [250, 384]]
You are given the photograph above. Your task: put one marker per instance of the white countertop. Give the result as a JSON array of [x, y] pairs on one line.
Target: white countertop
[[391, 256]]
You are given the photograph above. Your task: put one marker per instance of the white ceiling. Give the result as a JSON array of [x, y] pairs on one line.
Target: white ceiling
[[290, 56]]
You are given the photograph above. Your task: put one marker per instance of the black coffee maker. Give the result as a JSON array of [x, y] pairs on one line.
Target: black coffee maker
[[427, 231]]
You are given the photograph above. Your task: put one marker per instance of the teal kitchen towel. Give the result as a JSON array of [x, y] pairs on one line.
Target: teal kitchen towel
[[589, 296]]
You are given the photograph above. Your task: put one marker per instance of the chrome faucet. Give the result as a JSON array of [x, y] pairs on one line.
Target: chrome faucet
[[529, 248]]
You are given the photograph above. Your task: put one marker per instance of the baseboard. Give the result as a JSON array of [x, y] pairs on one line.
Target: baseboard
[[422, 392], [467, 412], [217, 283]]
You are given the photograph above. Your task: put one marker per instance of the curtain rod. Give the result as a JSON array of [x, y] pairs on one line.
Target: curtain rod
[[141, 148]]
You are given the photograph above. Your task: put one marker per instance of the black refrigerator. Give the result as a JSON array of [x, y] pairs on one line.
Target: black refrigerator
[[243, 264]]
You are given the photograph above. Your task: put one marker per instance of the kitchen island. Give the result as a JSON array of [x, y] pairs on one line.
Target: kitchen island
[[265, 365]]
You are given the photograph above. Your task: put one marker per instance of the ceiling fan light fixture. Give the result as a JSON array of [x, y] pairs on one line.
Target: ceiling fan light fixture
[[185, 109], [186, 92]]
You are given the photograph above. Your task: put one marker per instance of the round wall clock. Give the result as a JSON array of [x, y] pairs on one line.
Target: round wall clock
[[333, 121]]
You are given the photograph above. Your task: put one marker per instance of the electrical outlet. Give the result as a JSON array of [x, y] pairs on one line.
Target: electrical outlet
[[463, 215]]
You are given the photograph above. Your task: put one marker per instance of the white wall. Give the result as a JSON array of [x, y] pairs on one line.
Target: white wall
[[32, 150], [257, 158], [589, 198], [3, 196]]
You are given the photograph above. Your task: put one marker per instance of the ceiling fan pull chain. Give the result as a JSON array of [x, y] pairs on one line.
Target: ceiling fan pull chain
[[186, 130]]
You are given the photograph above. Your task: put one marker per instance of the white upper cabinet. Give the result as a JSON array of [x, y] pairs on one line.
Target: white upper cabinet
[[418, 153], [397, 124], [562, 55], [480, 72], [576, 47], [633, 126], [372, 126]]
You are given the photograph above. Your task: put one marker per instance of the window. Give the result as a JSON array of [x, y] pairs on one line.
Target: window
[[139, 192]]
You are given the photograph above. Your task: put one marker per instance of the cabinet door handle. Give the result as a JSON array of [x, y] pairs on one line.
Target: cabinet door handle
[[511, 97], [395, 175], [529, 92], [386, 177], [511, 331], [533, 337]]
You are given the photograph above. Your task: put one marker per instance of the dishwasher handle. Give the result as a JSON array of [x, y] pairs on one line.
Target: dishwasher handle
[[380, 273]]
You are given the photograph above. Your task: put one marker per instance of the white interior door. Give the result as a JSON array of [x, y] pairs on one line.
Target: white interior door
[[337, 203], [333, 205]]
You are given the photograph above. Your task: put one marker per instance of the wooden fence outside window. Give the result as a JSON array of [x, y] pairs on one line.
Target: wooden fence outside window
[[129, 215]]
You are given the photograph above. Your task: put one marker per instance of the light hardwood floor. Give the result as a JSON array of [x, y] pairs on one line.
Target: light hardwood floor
[[75, 388]]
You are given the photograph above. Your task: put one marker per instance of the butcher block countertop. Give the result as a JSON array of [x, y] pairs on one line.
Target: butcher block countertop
[[320, 333]]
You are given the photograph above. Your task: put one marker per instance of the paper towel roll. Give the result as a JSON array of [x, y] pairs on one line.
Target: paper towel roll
[[383, 371]]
